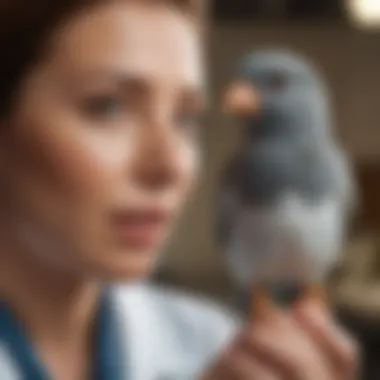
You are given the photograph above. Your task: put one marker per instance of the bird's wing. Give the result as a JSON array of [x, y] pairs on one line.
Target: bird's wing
[[227, 204], [346, 187]]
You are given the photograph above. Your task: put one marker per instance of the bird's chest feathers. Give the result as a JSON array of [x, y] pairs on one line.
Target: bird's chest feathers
[[292, 236]]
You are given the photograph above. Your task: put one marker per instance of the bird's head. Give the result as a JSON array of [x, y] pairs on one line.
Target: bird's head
[[276, 93]]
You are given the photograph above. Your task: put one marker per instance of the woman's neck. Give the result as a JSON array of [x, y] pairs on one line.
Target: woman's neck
[[56, 308]]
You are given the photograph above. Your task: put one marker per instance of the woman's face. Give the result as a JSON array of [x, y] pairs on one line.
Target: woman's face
[[100, 152]]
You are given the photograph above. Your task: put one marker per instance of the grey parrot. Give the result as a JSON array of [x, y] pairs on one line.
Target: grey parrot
[[288, 194]]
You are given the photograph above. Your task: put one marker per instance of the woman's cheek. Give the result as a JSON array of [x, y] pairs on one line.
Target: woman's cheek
[[101, 159], [190, 157]]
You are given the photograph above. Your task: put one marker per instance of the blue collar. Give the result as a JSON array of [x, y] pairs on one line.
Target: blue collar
[[107, 361]]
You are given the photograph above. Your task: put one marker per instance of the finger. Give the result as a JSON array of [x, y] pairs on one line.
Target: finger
[[261, 303], [244, 366], [284, 346], [338, 347]]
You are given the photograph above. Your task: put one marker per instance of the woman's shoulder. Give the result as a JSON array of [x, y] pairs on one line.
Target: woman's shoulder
[[181, 326]]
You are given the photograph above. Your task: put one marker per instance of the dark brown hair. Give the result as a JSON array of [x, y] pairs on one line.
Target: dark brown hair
[[25, 28]]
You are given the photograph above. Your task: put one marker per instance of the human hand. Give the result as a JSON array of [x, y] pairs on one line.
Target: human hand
[[302, 344]]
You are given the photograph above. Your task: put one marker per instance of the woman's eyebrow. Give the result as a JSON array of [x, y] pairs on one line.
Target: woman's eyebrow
[[139, 83], [114, 76]]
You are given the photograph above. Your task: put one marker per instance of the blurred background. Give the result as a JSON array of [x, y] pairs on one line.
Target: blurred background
[[343, 39]]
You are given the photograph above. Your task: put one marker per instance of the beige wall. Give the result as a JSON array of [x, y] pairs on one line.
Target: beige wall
[[351, 63]]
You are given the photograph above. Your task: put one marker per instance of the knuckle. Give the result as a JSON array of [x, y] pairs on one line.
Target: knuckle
[[298, 364]]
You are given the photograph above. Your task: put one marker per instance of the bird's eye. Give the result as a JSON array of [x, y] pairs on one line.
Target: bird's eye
[[277, 82]]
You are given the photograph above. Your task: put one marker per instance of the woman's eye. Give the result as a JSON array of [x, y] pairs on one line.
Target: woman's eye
[[105, 107]]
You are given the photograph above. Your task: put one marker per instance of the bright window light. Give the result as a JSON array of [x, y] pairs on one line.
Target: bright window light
[[365, 13]]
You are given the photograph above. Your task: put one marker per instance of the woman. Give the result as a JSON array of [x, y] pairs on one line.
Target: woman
[[100, 103]]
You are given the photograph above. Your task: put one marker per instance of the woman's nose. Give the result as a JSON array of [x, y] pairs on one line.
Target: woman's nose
[[160, 162]]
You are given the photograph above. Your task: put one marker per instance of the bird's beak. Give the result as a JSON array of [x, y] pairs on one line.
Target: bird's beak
[[241, 99]]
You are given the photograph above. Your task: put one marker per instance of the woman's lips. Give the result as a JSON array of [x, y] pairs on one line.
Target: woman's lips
[[142, 228]]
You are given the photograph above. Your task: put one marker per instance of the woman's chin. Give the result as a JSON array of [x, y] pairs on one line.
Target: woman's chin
[[127, 267]]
